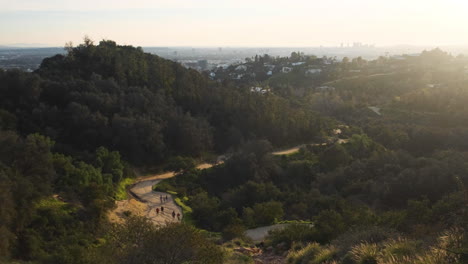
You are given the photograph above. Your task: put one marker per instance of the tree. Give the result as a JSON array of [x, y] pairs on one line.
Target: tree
[[334, 157], [263, 213]]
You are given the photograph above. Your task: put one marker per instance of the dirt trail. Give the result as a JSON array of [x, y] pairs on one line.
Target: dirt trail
[[258, 234], [288, 151], [145, 201]]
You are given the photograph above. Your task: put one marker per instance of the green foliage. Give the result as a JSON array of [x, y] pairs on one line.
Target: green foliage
[[365, 254], [138, 241], [335, 156], [121, 190], [312, 253], [329, 224], [304, 255], [292, 233], [263, 213], [233, 231], [178, 164], [109, 163], [204, 208], [52, 204]]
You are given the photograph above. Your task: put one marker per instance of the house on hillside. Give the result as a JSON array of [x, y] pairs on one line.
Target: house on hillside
[[298, 63], [313, 71], [376, 110], [258, 89], [238, 76], [286, 70], [241, 68]]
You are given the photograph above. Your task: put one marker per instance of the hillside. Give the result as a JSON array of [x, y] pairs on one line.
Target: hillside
[[363, 187]]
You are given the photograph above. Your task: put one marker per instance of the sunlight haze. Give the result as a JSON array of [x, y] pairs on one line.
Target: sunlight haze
[[235, 23]]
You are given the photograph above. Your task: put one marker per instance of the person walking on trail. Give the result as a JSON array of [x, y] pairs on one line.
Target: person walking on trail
[[162, 209], [157, 211], [178, 216], [173, 214], [166, 197], [161, 198]]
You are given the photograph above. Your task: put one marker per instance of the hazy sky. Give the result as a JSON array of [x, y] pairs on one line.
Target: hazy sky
[[235, 22]]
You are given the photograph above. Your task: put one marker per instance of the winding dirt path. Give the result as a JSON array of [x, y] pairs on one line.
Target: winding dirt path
[[144, 201]]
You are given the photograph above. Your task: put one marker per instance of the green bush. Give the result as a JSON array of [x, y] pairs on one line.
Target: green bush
[[263, 213], [121, 190], [312, 253], [233, 231], [304, 255], [290, 234]]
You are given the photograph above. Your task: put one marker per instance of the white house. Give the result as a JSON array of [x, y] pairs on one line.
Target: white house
[[286, 69], [258, 89], [313, 71]]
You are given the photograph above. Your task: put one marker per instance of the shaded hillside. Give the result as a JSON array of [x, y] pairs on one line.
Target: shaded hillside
[[146, 107]]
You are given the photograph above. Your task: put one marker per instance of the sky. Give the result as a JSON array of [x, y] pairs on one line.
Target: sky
[[231, 23]]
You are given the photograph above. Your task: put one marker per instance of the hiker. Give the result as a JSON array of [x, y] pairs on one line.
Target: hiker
[[178, 216], [157, 210], [161, 198], [162, 209], [166, 198], [173, 214]]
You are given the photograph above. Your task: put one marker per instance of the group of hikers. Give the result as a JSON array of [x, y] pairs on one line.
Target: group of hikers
[[165, 199], [162, 212]]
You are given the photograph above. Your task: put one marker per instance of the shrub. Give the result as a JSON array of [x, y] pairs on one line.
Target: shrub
[[399, 249], [233, 231], [304, 255], [291, 233], [365, 253], [312, 253]]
